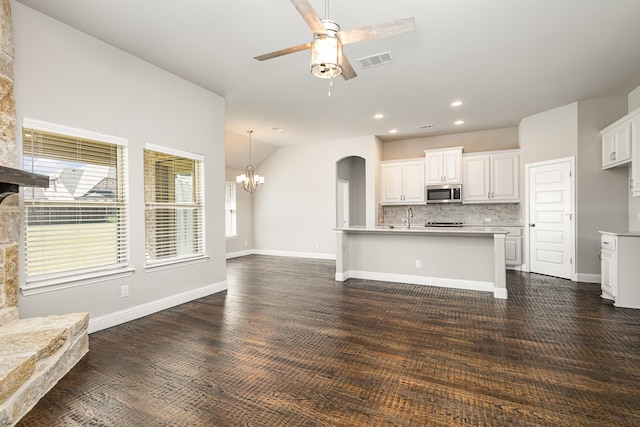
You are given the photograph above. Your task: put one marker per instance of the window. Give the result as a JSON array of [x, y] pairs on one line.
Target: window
[[174, 205], [230, 208], [78, 225]]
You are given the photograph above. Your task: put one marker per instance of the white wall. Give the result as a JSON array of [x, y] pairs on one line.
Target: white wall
[[633, 99], [602, 194], [552, 134], [242, 244], [473, 142], [295, 212], [64, 76]]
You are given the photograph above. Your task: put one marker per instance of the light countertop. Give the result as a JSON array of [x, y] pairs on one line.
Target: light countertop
[[421, 229], [622, 233]]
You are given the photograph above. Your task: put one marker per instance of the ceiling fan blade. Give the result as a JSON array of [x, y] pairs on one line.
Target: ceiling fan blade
[[310, 16], [282, 52], [347, 70], [369, 32]]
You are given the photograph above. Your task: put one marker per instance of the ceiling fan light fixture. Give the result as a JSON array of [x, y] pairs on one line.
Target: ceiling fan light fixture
[[326, 52]]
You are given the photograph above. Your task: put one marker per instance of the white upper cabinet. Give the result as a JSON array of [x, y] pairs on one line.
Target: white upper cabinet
[[616, 144], [491, 178], [635, 153], [403, 182], [443, 166]]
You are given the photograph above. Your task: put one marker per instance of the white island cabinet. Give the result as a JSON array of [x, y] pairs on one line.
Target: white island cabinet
[[620, 268], [470, 258]]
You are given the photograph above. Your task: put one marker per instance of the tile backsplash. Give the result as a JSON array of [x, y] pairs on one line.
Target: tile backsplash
[[472, 214]]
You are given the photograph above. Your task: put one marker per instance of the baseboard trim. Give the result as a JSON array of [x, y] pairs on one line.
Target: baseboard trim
[[239, 254], [112, 319], [471, 285], [295, 254], [588, 278]]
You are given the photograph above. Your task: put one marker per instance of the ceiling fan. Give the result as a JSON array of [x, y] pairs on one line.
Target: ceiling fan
[[327, 58]]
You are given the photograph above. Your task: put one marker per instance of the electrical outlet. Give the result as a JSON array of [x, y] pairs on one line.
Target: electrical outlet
[[124, 291], [246, 243], [638, 218], [317, 245], [418, 263], [488, 220]]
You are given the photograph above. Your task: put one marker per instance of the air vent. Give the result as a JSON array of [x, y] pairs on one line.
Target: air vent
[[429, 126], [375, 60]]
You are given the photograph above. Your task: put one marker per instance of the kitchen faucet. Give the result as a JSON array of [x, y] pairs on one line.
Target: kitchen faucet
[[409, 216]]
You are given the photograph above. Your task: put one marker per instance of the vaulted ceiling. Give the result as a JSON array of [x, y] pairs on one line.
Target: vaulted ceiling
[[503, 59]]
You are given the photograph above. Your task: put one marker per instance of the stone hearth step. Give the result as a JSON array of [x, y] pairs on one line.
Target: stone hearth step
[[8, 315], [34, 354], [13, 370]]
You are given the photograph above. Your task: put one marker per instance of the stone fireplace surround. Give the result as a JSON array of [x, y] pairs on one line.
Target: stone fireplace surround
[[36, 352]]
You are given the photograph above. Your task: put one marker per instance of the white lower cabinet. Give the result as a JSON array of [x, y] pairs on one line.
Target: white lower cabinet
[[620, 268], [513, 246]]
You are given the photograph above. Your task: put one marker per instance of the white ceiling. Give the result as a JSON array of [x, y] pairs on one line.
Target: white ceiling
[[505, 59]]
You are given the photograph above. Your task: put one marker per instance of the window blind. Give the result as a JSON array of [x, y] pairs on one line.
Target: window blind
[[79, 224], [174, 205]]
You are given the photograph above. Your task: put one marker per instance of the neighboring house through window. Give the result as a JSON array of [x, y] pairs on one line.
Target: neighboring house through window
[[174, 205], [230, 208], [77, 226]]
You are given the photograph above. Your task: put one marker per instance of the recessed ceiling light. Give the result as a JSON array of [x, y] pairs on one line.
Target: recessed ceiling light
[[276, 129], [393, 131], [378, 116], [459, 122], [456, 103]]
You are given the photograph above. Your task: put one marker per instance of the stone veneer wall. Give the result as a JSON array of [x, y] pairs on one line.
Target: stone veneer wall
[[9, 209], [473, 214]]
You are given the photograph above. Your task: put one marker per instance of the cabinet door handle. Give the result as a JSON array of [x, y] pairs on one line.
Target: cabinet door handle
[[600, 256], [532, 225]]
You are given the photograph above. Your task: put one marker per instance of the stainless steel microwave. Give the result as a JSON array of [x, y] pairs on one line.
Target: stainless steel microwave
[[445, 193]]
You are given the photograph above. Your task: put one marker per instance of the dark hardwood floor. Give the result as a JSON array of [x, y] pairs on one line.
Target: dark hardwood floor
[[286, 345]]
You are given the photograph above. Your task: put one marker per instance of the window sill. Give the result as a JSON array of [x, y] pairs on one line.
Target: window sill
[[164, 265], [57, 284]]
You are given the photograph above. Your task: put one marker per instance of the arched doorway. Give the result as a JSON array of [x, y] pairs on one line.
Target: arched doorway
[[351, 192]]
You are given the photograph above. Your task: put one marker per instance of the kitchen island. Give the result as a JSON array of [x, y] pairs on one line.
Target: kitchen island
[[458, 257]]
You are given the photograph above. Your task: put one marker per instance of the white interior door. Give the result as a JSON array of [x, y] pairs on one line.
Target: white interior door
[[551, 219]]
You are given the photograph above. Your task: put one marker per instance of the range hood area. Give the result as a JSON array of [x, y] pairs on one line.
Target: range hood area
[[12, 179]]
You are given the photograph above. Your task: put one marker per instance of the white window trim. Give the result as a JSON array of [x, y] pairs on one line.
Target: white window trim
[[194, 259], [70, 131], [175, 152], [69, 280], [51, 285]]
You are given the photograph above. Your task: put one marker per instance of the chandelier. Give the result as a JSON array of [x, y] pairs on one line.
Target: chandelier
[[250, 181]]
